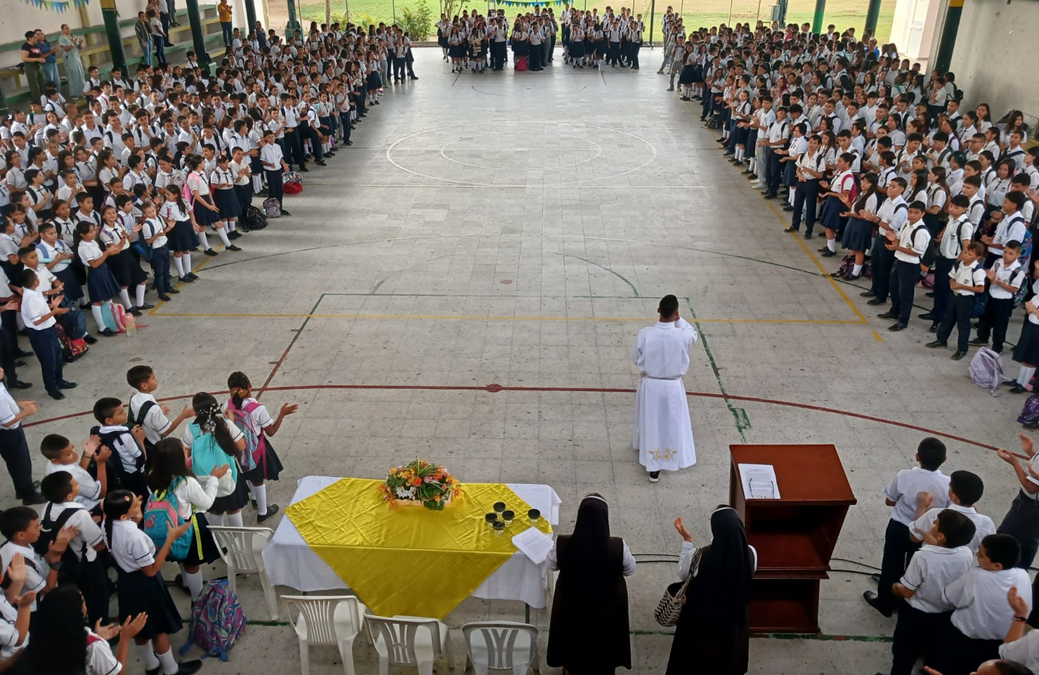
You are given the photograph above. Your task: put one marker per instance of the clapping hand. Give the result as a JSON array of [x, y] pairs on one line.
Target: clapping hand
[[288, 409], [684, 533], [1005, 456], [1017, 603]]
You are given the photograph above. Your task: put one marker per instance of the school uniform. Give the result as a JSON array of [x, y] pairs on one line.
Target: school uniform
[[1000, 304], [1010, 228], [959, 306], [126, 466], [101, 285], [270, 467], [983, 525], [1022, 520], [36, 568], [949, 248], [44, 339], [126, 270], [981, 619], [898, 546], [905, 274], [9, 645], [833, 207], [80, 564], [271, 156], [923, 618], [807, 192], [160, 262], [894, 212], [194, 496], [13, 448], [89, 496], [137, 592], [64, 270], [232, 492]]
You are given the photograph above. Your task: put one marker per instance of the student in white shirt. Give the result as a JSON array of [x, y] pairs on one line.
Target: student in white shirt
[[62, 455], [15, 610], [965, 490], [1020, 521], [1005, 277], [39, 317], [1017, 646], [982, 616], [146, 411], [966, 281], [924, 616], [909, 246], [21, 527]]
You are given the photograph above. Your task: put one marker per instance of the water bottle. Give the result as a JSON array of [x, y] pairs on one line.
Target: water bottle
[[130, 325]]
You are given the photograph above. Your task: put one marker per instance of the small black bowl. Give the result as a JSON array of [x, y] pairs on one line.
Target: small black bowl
[[499, 506]]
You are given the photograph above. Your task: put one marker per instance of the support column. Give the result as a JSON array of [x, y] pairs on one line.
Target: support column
[[817, 18], [198, 39], [872, 13], [949, 32], [250, 17], [293, 25], [112, 32], [3, 102]]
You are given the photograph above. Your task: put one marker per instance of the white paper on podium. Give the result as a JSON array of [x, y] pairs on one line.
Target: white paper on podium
[[534, 544], [759, 481]]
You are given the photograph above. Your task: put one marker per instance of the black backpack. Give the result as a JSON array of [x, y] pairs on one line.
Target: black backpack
[[49, 533]]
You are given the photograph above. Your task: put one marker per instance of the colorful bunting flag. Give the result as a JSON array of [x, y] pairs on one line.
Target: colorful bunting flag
[[59, 6]]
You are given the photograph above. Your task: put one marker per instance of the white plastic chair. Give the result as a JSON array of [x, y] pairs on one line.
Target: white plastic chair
[[325, 620], [501, 645], [407, 641], [241, 549]]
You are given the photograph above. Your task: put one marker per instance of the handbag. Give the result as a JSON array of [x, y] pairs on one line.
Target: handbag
[[671, 604]]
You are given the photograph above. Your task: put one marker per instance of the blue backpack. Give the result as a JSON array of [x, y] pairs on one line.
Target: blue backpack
[[161, 512], [217, 621]]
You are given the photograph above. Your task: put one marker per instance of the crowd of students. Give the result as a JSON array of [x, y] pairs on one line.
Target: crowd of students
[[917, 189]]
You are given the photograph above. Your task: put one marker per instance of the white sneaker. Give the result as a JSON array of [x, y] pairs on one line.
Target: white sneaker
[[758, 186]]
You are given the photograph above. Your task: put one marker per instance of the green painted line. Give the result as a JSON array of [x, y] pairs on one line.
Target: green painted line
[[739, 415]]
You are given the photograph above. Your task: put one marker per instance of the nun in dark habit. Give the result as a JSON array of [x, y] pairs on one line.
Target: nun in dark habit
[[712, 634], [588, 634]]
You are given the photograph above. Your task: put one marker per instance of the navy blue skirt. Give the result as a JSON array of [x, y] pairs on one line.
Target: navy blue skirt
[[273, 467], [1027, 349], [858, 235], [126, 270], [204, 216], [72, 291], [831, 216], [227, 202], [138, 593], [183, 238], [101, 285]]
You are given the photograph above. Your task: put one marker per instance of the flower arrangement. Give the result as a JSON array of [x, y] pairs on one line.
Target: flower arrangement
[[421, 482]]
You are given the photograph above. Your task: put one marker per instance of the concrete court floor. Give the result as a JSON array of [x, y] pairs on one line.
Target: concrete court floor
[[518, 229]]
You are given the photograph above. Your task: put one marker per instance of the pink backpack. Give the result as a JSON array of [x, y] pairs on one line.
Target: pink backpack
[[255, 453]]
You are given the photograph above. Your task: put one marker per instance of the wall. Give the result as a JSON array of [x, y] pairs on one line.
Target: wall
[[915, 27], [995, 59]]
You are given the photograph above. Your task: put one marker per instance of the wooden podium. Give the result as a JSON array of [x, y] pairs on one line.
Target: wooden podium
[[795, 534]]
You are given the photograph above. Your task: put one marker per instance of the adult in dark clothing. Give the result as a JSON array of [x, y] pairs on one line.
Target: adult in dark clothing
[[588, 634], [713, 634]]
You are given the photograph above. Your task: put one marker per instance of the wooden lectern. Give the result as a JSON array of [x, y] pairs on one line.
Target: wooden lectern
[[795, 534]]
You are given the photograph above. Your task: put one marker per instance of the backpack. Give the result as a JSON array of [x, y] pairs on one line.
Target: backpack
[[114, 316], [272, 208], [292, 188], [132, 421], [521, 64], [217, 621], [159, 513], [986, 370], [255, 453], [1030, 413], [49, 532], [254, 218], [186, 194], [847, 266]]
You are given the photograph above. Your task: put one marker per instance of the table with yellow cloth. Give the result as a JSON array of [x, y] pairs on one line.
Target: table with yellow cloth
[[340, 533]]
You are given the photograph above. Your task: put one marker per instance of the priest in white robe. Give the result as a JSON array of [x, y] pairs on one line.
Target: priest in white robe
[[663, 432]]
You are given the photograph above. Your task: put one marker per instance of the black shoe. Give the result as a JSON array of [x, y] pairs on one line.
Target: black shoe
[[134, 311], [304, 169], [978, 342], [165, 298], [887, 315], [22, 354], [210, 252], [145, 307], [877, 301], [271, 510], [34, 499], [873, 600], [321, 162], [897, 327], [56, 395], [867, 294], [958, 355], [65, 384], [937, 344], [1031, 425], [827, 253], [108, 332], [232, 247], [928, 316], [788, 208], [654, 476], [790, 229], [187, 280], [233, 235], [173, 291], [933, 328], [189, 667], [929, 294], [89, 339], [192, 276], [770, 195], [285, 213], [19, 385], [20, 364], [808, 235], [1017, 389]]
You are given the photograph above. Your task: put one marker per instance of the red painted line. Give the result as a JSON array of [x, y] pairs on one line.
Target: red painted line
[[494, 388]]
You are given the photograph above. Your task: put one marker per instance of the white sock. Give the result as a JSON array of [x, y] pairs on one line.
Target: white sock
[[194, 584], [261, 499], [753, 166], [215, 518], [204, 240], [147, 650], [252, 490], [186, 261], [832, 245], [124, 295], [232, 225], [234, 520], [95, 310], [169, 664], [257, 184], [140, 294], [1024, 376], [222, 233], [856, 270], [180, 266]]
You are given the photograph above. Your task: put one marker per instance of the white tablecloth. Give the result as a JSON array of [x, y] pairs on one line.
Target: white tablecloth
[[291, 562]]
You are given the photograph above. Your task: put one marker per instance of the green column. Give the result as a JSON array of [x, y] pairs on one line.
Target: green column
[[949, 31], [817, 18], [872, 12], [115, 37], [198, 39], [293, 25], [250, 17], [3, 102]]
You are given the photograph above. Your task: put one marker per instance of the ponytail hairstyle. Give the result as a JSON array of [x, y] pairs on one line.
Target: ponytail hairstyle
[[239, 384], [211, 421], [169, 463], [82, 227], [116, 505], [192, 162]]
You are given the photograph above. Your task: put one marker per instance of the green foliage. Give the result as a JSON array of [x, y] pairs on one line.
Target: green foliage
[[417, 22], [453, 8]]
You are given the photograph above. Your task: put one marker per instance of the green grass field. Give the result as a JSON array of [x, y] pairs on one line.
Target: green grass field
[[842, 13]]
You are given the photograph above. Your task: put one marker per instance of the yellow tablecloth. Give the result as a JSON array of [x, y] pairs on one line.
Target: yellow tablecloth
[[408, 559]]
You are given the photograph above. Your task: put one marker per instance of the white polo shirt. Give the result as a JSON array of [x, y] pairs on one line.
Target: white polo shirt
[[916, 237], [907, 483], [36, 569], [82, 545], [952, 240], [980, 598], [968, 275], [1013, 276], [131, 548], [931, 569], [89, 489], [983, 525], [1024, 650], [34, 306]]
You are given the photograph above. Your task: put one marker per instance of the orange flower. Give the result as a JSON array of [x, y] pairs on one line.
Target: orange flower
[[416, 482], [436, 498]]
